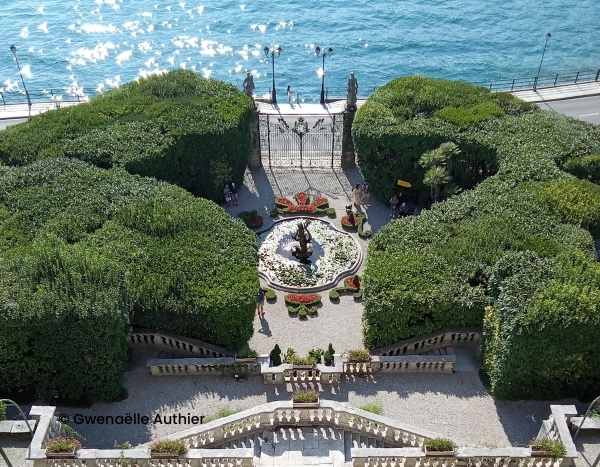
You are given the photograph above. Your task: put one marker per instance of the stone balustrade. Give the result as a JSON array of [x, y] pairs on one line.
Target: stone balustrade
[[203, 366], [404, 364], [433, 342], [140, 457], [557, 427], [203, 441], [329, 413], [287, 373], [468, 456], [181, 344]]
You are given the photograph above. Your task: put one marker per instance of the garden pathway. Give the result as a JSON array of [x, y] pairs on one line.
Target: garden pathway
[[454, 405], [339, 323]]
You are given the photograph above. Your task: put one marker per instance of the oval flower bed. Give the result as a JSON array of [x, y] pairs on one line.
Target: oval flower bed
[[304, 205], [334, 253], [302, 299]]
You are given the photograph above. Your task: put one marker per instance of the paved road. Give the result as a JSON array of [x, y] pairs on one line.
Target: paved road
[[5, 123], [583, 108]]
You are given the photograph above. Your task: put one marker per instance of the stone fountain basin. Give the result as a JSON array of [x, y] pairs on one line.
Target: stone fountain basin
[[276, 245]]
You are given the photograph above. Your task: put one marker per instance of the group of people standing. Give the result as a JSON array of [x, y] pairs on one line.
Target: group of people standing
[[360, 195], [230, 194]]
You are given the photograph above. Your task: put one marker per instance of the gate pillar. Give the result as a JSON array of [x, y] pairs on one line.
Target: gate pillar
[[254, 161], [348, 155]]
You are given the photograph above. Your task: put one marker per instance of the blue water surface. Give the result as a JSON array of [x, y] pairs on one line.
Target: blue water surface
[[99, 44]]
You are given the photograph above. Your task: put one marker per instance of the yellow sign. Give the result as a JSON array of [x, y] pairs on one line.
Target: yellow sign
[[404, 184]]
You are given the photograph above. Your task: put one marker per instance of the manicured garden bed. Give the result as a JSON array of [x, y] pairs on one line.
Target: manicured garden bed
[[512, 253]]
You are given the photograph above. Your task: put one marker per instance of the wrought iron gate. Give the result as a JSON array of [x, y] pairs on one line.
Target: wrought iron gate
[[301, 141]]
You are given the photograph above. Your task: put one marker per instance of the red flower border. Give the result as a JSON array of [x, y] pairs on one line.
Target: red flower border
[[302, 299]]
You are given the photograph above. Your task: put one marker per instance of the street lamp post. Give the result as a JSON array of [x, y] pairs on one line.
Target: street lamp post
[[273, 51], [13, 49], [323, 53], [548, 36]]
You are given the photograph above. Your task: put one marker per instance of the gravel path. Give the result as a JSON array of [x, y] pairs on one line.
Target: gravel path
[[457, 406], [339, 323]]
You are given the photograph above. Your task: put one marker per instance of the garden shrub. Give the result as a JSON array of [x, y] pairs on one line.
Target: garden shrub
[[440, 445], [63, 445], [373, 407], [306, 396], [177, 127], [554, 447], [175, 447], [586, 167], [439, 270], [466, 116], [86, 252]]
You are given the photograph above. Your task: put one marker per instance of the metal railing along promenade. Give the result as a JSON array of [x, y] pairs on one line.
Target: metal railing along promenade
[[45, 96], [562, 78], [550, 80]]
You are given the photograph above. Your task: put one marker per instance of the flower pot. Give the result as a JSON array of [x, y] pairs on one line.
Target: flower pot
[[540, 452], [430, 453], [164, 455], [306, 405], [303, 367], [60, 455]]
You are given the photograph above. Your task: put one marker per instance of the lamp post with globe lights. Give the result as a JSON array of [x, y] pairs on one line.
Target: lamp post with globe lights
[[548, 36], [273, 52], [13, 50], [323, 52]]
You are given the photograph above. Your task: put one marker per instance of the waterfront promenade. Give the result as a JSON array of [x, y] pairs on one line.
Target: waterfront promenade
[[580, 101]]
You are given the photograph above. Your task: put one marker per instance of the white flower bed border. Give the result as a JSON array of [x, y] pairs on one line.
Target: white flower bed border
[[272, 281]]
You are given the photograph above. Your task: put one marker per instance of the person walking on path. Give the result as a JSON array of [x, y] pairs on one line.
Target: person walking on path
[[290, 95], [234, 193], [357, 196], [365, 194], [394, 205], [260, 303]]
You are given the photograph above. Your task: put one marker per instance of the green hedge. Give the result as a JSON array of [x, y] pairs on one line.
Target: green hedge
[[434, 271], [177, 127], [84, 252]]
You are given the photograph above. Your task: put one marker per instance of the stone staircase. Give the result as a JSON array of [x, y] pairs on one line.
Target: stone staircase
[[293, 446]]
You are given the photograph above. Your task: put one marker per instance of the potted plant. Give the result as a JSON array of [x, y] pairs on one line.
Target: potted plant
[[440, 447], [546, 447], [252, 219], [359, 356], [328, 356], [62, 448], [168, 449], [306, 399]]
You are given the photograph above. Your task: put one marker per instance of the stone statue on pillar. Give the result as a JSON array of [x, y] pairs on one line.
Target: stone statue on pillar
[[249, 85], [352, 92]]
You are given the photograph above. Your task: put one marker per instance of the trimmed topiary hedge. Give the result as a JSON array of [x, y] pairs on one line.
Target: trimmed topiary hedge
[[434, 271], [177, 127], [86, 252]]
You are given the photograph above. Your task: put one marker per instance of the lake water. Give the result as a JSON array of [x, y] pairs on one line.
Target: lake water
[[99, 44]]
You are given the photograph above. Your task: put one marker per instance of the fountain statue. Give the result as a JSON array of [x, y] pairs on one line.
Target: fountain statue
[[303, 250]]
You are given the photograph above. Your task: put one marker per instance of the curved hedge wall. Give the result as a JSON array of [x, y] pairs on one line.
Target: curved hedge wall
[[177, 127], [85, 252], [440, 270]]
